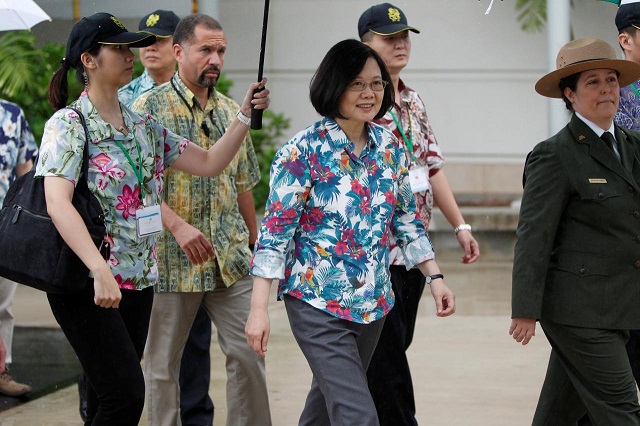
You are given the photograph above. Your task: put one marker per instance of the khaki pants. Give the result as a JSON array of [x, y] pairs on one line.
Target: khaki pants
[[171, 319], [7, 290]]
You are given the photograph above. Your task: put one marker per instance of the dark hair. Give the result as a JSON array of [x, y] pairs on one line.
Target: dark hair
[[186, 28], [571, 82], [366, 37], [340, 66], [58, 93]]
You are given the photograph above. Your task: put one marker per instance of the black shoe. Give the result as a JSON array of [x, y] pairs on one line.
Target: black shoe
[[82, 393]]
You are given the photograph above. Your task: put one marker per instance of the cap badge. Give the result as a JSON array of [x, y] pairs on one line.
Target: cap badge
[[394, 14], [117, 22], [152, 20]]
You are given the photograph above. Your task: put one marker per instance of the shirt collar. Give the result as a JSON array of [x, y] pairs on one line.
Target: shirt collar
[[597, 129], [188, 95], [339, 140]]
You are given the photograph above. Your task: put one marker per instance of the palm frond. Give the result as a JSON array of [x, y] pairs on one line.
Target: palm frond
[[19, 62], [532, 14]]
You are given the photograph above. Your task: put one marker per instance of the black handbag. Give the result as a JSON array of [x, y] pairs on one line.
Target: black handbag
[[32, 252]]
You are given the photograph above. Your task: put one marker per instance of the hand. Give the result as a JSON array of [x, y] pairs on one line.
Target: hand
[[444, 298], [259, 100], [522, 329], [257, 331], [194, 244], [469, 245], [106, 289]]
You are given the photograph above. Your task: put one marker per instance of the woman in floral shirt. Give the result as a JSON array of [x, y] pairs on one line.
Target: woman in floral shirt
[[339, 189], [128, 154]]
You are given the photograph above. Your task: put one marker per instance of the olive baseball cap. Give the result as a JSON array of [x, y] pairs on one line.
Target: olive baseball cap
[[161, 23], [384, 19]]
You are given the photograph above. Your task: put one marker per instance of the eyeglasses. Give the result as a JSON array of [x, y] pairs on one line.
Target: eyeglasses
[[360, 86]]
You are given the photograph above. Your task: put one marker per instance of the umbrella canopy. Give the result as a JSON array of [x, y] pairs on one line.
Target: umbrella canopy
[[20, 15]]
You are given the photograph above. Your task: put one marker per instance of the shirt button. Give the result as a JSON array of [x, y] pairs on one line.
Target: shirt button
[[630, 188], [600, 194], [638, 239], [636, 214], [636, 264], [582, 271]]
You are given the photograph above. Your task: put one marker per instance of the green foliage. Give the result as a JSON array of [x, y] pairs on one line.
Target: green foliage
[[532, 14], [265, 143], [25, 73]]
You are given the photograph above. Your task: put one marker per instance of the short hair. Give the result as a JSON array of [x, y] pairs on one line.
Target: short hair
[[340, 66], [366, 37], [631, 31], [571, 82], [186, 28]]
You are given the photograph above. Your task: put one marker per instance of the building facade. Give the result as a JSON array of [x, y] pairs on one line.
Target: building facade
[[475, 71]]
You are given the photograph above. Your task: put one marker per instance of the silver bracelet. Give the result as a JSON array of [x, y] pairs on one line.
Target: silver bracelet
[[462, 227], [243, 118]]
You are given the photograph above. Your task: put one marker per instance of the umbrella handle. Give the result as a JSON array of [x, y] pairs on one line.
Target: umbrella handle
[[256, 114]]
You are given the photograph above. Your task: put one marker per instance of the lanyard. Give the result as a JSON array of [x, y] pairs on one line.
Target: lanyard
[[136, 169], [408, 142], [633, 86], [203, 126]]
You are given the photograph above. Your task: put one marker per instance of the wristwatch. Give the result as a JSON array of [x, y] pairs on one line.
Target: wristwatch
[[433, 277]]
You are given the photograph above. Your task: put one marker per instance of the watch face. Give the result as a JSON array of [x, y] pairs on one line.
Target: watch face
[[429, 279]]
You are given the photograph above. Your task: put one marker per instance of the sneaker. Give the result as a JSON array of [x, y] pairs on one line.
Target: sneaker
[[10, 387]]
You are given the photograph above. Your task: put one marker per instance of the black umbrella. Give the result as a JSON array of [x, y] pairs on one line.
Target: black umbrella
[[256, 114]]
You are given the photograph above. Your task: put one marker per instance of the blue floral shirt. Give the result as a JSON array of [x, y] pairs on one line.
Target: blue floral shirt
[[130, 92], [17, 144], [112, 179], [628, 115], [328, 219]]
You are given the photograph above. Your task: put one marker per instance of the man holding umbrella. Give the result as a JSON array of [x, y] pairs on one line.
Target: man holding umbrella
[[217, 216]]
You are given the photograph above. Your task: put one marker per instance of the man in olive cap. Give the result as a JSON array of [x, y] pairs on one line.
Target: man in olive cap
[[384, 27], [159, 63]]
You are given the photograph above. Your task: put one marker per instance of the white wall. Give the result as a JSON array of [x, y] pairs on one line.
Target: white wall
[[475, 72]]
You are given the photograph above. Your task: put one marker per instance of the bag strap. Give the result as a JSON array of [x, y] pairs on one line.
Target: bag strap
[[85, 153]]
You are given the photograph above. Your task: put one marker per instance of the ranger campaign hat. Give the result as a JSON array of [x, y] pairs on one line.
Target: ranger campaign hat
[[585, 54], [161, 23]]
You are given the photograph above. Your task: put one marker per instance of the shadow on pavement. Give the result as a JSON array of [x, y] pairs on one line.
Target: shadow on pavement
[[43, 359]]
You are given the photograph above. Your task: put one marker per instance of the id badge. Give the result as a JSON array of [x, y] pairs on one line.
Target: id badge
[[149, 221], [419, 179]]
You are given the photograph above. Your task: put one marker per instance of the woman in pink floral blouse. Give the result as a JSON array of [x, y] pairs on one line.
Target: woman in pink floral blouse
[[107, 323]]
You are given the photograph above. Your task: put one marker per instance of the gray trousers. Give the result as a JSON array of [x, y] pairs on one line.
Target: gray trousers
[[171, 319], [338, 352], [588, 372]]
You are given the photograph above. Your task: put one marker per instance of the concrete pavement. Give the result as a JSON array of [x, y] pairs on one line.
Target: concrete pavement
[[466, 369]]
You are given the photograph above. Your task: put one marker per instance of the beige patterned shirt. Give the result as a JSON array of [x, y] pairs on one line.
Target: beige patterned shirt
[[209, 204]]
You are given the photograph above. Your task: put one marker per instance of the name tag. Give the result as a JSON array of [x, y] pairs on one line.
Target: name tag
[[593, 180], [419, 179], [148, 221]]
